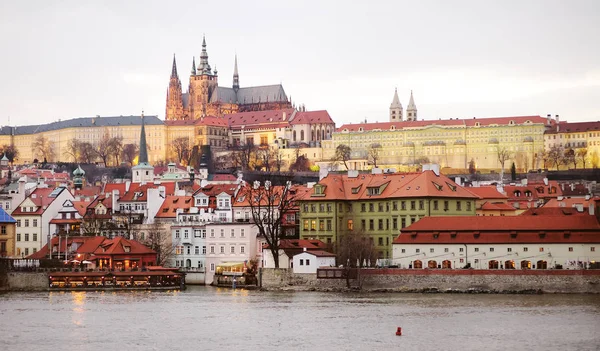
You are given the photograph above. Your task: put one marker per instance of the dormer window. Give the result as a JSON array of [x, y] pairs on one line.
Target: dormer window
[[127, 248], [318, 190], [360, 129], [356, 189], [517, 193], [374, 191]]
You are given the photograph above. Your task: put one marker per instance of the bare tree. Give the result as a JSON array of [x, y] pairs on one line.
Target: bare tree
[[87, 153], [129, 153], [94, 225], [72, 149], [11, 152], [115, 146], [181, 148], [301, 163], [374, 153], [356, 250], [158, 238], [244, 156], [268, 206], [555, 155], [503, 155], [44, 148], [570, 158], [342, 154], [582, 154], [278, 161], [102, 148]]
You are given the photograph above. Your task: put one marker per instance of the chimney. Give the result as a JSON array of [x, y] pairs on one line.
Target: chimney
[[127, 184], [549, 116], [304, 249], [592, 208], [557, 119], [115, 198], [284, 116]]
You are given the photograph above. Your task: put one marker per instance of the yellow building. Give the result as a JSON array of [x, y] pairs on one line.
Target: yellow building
[[582, 138], [7, 234], [452, 143]]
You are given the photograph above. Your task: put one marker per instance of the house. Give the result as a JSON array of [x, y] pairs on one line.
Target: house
[[7, 234], [216, 201], [288, 248], [511, 242], [34, 214], [491, 202], [309, 261], [69, 218]]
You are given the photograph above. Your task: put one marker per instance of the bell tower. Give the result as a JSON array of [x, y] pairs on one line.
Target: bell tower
[[396, 108], [411, 110], [202, 85], [174, 108]]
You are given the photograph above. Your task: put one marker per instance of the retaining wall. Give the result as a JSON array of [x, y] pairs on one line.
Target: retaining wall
[[401, 280], [27, 281]]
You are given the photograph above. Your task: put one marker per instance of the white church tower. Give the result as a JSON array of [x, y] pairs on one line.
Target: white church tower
[[411, 109], [396, 108]]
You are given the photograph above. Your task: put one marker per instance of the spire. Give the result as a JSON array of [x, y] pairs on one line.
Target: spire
[[193, 66], [236, 76], [174, 69], [396, 100], [143, 158], [411, 102], [204, 67], [411, 110]]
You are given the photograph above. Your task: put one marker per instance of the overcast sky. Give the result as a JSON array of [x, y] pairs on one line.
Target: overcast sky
[[67, 59]]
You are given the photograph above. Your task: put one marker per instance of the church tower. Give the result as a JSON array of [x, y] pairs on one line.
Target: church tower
[[174, 108], [143, 172], [411, 109], [396, 108], [236, 76], [202, 85]]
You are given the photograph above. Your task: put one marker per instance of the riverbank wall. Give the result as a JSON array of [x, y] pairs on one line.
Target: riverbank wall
[[25, 281], [457, 281]]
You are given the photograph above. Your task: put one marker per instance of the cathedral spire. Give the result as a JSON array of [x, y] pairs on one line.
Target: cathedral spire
[[193, 66], [236, 76], [174, 68], [143, 158], [411, 109], [395, 108], [396, 100], [204, 67]]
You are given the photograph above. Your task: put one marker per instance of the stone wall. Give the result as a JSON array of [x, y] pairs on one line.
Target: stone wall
[[27, 281], [404, 280]]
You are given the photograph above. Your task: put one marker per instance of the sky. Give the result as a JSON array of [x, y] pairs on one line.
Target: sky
[[462, 59]]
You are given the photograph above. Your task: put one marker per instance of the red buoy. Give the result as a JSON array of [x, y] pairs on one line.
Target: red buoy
[[399, 331]]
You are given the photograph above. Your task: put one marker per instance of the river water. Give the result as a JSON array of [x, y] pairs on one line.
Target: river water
[[206, 318]]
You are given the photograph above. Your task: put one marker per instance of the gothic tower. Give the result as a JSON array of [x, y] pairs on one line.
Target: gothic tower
[[174, 108], [236, 76], [411, 109], [202, 84], [142, 172], [395, 108]]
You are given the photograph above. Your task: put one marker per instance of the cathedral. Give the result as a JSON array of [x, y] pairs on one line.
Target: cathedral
[[396, 114], [206, 98]]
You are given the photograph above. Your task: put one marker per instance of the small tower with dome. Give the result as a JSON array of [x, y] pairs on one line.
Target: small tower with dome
[[78, 178]]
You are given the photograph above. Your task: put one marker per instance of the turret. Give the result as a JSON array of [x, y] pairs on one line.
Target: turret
[[411, 110], [236, 76], [395, 108]]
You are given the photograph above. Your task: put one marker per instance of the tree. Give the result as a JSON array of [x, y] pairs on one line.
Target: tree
[[182, 150], [555, 155], [503, 155], [244, 156], [356, 250], [472, 167], [268, 206], [11, 152], [582, 154], [72, 149], [513, 172], [594, 159], [342, 154], [570, 158], [158, 238], [129, 153], [108, 146], [115, 146], [374, 153], [43, 148], [87, 154], [302, 164]]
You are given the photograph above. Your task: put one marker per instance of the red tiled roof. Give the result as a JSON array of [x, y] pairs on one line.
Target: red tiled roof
[[497, 229], [447, 123], [253, 118], [109, 187], [81, 206], [554, 211], [319, 253], [90, 191], [216, 189], [172, 203], [570, 202], [487, 192], [395, 185], [136, 189], [41, 200], [118, 244], [576, 127], [223, 177], [497, 206], [312, 117], [299, 244]]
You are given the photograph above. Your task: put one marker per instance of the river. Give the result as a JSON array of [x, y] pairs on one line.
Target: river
[[206, 318]]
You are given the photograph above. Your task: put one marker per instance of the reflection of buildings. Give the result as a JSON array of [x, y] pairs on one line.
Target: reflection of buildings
[[513, 242]]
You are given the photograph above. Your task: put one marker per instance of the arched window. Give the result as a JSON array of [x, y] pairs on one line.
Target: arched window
[[301, 135], [431, 264], [294, 136], [418, 264]]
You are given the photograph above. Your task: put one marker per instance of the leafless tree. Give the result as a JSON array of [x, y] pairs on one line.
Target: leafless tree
[[129, 153], [115, 146], [356, 250], [374, 153], [556, 155], [93, 225], [10, 151], [72, 149], [87, 153], [182, 149], [44, 148], [503, 155], [342, 154], [268, 206], [278, 161], [301, 163], [102, 148], [582, 155], [244, 156], [570, 158], [158, 238]]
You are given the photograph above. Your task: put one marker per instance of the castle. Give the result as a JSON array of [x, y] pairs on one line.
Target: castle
[[206, 98]]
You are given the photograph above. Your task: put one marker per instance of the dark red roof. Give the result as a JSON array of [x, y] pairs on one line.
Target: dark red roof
[[312, 117], [254, 118], [487, 192]]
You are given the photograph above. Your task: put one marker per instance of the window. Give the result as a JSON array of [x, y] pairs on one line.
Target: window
[[593, 249], [313, 224], [395, 206], [403, 205], [468, 205], [34, 235], [18, 237], [403, 251], [188, 250], [18, 222], [541, 249], [525, 249], [301, 262], [491, 249], [212, 249], [350, 225], [412, 205], [212, 267], [446, 249], [417, 250], [222, 233], [26, 251], [186, 234], [421, 205], [509, 249], [458, 206], [242, 249], [26, 237], [445, 205], [3, 230], [380, 226], [476, 249], [570, 249], [380, 241], [402, 222], [197, 250], [177, 234], [35, 222], [233, 233], [329, 224], [321, 207], [371, 224], [394, 223], [328, 207], [204, 250], [432, 250], [232, 249], [321, 225], [27, 223], [380, 207], [371, 208], [305, 227], [222, 249], [461, 249], [242, 232], [307, 262]]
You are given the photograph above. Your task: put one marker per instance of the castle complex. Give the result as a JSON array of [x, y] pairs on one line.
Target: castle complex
[[206, 98]]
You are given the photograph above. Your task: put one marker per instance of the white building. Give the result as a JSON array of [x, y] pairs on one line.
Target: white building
[[288, 248], [309, 261], [511, 242], [33, 216]]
